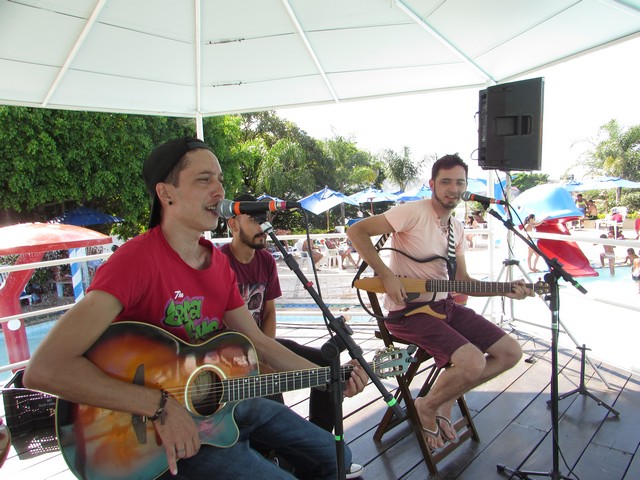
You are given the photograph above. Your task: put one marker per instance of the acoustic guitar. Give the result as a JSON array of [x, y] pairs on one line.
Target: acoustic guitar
[[415, 286], [209, 379]]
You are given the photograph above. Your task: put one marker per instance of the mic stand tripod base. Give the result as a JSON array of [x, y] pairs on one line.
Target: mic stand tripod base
[[524, 474], [582, 389]]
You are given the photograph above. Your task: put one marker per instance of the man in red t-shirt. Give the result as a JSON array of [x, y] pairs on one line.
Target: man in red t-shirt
[[172, 278]]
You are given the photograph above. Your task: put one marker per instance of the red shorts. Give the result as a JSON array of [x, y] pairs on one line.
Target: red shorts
[[442, 337]]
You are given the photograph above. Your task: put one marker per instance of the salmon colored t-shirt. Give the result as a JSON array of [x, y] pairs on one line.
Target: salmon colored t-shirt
[[418, 233]]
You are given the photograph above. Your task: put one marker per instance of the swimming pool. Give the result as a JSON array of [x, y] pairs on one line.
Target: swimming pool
[[304, 317]]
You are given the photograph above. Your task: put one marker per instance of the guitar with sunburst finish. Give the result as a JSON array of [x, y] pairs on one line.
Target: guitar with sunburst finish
[[209, 379]]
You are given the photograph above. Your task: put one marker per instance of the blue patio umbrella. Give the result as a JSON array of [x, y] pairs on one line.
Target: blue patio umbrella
[[572, 186], [324, 200], [606, 183], [83, 216], [415, 194], [269, 198], [477, 185], [371, 195]]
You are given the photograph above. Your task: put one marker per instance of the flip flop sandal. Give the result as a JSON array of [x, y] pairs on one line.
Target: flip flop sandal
[[435, 434], [440, 418]]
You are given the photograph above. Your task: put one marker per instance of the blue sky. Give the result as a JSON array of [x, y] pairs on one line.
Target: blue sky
[[580, 95]]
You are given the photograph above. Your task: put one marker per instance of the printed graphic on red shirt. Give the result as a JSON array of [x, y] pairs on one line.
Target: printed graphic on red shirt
[[186, 312]]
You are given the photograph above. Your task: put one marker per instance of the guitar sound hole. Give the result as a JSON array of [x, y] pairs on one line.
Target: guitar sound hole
[[204, 392]]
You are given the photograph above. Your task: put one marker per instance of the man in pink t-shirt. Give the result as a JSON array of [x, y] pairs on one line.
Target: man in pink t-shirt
[[473, 349]]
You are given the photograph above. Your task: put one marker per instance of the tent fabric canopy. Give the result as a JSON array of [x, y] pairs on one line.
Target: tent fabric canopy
[[212, 57], [42, 237]]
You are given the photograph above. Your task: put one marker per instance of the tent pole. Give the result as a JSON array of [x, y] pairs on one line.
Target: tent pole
[[199, 127]]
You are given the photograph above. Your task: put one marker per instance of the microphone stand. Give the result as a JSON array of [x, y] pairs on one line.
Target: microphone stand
[[331, 351], [555, 273]]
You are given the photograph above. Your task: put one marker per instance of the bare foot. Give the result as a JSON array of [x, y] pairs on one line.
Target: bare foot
[[429, 425]]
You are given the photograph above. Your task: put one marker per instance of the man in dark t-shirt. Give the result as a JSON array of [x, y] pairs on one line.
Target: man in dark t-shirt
[[257, 277]]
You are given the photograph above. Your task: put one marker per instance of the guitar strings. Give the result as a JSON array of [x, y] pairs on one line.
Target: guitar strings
[[248, 390], [245, 385]]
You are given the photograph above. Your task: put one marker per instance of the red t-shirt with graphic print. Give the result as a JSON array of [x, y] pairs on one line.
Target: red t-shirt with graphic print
[[156, 286]]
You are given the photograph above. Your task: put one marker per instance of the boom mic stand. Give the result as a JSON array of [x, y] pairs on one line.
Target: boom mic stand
[[555, 273], [331, 351]]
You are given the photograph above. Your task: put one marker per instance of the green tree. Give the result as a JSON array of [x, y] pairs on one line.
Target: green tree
[[616, 152], [283, 171], [525, 181], [345, 168], [55, 160], [400, 169], [224, 135]]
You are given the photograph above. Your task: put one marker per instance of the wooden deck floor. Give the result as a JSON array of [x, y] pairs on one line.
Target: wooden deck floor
[[510, 412]]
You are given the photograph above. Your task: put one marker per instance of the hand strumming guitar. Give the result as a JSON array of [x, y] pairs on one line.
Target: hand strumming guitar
[[178, 433], [394, 287]]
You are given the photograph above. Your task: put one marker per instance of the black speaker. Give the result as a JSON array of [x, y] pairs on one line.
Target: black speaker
[[510, 126]]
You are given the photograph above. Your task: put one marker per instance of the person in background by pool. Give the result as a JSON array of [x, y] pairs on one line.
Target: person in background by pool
[[631, 256], [303, 245], [582, 206], [592, 210], [616, 233], [635, 272], [609, 254], [469, 237], [346, 251], [257, 277], [530, 226]]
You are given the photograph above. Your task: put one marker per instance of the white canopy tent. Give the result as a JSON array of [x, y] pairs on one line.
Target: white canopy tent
[[196, 58]]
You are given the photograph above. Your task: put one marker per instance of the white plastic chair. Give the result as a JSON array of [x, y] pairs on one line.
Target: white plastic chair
[[333, 257], [305, 258]]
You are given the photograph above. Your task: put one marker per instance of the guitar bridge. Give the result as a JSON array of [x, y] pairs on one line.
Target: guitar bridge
[[139, 422]]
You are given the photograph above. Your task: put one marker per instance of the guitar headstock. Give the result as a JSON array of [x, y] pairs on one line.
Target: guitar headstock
[[392, 361], [541, 288]]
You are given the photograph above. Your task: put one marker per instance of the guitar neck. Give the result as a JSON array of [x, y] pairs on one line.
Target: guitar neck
[[415, 285], [463, 286], [243, 388]]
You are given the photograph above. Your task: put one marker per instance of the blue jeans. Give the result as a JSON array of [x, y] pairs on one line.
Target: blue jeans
[[308, 448]]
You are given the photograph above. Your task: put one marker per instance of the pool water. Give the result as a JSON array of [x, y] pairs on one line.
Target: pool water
[[619, 287], [286, 317], [35, 335]]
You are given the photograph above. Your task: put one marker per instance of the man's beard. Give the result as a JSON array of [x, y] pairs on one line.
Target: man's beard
[[449, 204], [252, 242]]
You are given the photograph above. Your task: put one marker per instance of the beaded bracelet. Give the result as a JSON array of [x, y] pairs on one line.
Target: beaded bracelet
[[161, 413]]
